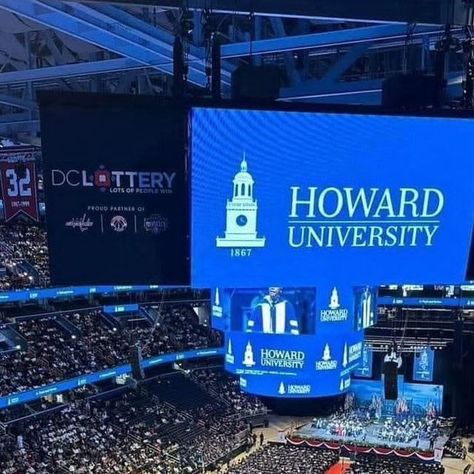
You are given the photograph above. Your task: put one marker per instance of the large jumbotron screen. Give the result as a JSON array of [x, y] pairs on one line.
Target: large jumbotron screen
[[303, 198], [297, 216]]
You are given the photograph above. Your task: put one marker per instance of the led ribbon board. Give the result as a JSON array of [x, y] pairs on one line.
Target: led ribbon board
[[303, 198]]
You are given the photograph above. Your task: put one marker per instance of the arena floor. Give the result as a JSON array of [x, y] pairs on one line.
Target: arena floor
[[277, 424]]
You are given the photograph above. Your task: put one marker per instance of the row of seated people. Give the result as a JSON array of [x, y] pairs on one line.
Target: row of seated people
[[282, 459], [372, 464], [217, 381], [23, 242], [131, 431], [54, 354]]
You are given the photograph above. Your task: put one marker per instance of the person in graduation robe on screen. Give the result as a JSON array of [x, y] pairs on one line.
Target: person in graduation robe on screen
[[274, 315]]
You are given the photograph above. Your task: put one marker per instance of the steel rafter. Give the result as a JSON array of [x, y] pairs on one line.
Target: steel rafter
[[69, 70], [437, 12], [17, 102], [330, 39], [368, 92], [83, 23]]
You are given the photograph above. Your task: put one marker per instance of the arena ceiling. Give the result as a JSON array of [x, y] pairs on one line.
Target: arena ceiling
[[328, 51]]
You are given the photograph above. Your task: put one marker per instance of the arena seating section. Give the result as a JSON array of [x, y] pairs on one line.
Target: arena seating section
[[53, 352], [383, 465], [171, 421], [272, 459], [175, 422], [24, 255]]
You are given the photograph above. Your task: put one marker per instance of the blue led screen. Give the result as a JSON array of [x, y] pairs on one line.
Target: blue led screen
[[271, 310], [304, 199], [324, 362]]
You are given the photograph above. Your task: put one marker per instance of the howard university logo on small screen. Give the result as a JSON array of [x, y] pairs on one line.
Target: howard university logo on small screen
[[241, 234]]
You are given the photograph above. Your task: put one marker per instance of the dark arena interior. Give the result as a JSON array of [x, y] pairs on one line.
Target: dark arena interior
[[236, 237]]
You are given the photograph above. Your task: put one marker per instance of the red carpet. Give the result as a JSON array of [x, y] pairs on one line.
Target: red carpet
[[338, 468]]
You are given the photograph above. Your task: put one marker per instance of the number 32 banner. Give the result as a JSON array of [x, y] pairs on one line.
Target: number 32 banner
[[19, 190]]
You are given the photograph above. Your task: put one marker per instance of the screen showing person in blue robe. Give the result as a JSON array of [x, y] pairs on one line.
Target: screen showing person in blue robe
[[274, 315], [273, 310], [365, 307]]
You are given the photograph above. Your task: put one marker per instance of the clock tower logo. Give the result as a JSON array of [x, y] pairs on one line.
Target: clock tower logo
[[241, 213]]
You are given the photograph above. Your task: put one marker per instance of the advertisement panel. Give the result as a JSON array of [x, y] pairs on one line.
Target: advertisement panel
[[298, 387], [116, 194], [308, 198], [70, 384], [19, 183]]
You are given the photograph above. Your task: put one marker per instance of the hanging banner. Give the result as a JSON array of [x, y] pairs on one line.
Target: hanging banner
[[365, 367], [423, 365], [18, 181]]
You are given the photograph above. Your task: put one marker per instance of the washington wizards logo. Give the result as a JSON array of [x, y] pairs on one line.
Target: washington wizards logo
[[118, 223]]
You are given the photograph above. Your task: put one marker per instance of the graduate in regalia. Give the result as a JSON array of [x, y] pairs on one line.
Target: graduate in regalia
[[274, 315]]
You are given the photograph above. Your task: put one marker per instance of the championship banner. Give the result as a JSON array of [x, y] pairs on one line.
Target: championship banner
[[18, 181]]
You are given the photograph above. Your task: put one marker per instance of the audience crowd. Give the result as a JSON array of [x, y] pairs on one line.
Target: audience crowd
[[282, 459], [132, 431], [368, 464], [55, 351], [217, 381], [169, 425], [24, 256]]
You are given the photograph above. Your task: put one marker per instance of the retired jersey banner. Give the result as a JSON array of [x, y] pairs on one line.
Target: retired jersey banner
[[19, 184]]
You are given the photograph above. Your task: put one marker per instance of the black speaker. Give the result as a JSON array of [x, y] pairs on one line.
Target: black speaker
[[410, 91], [390, 370], [458, 340], [216, 68], [470, 263], [178, 68], [255, 82], [136, 362]]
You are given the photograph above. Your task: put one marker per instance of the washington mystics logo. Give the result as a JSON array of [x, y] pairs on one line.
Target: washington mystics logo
[[241, 214]]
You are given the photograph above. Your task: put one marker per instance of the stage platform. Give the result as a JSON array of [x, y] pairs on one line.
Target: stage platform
[[370, 437]]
